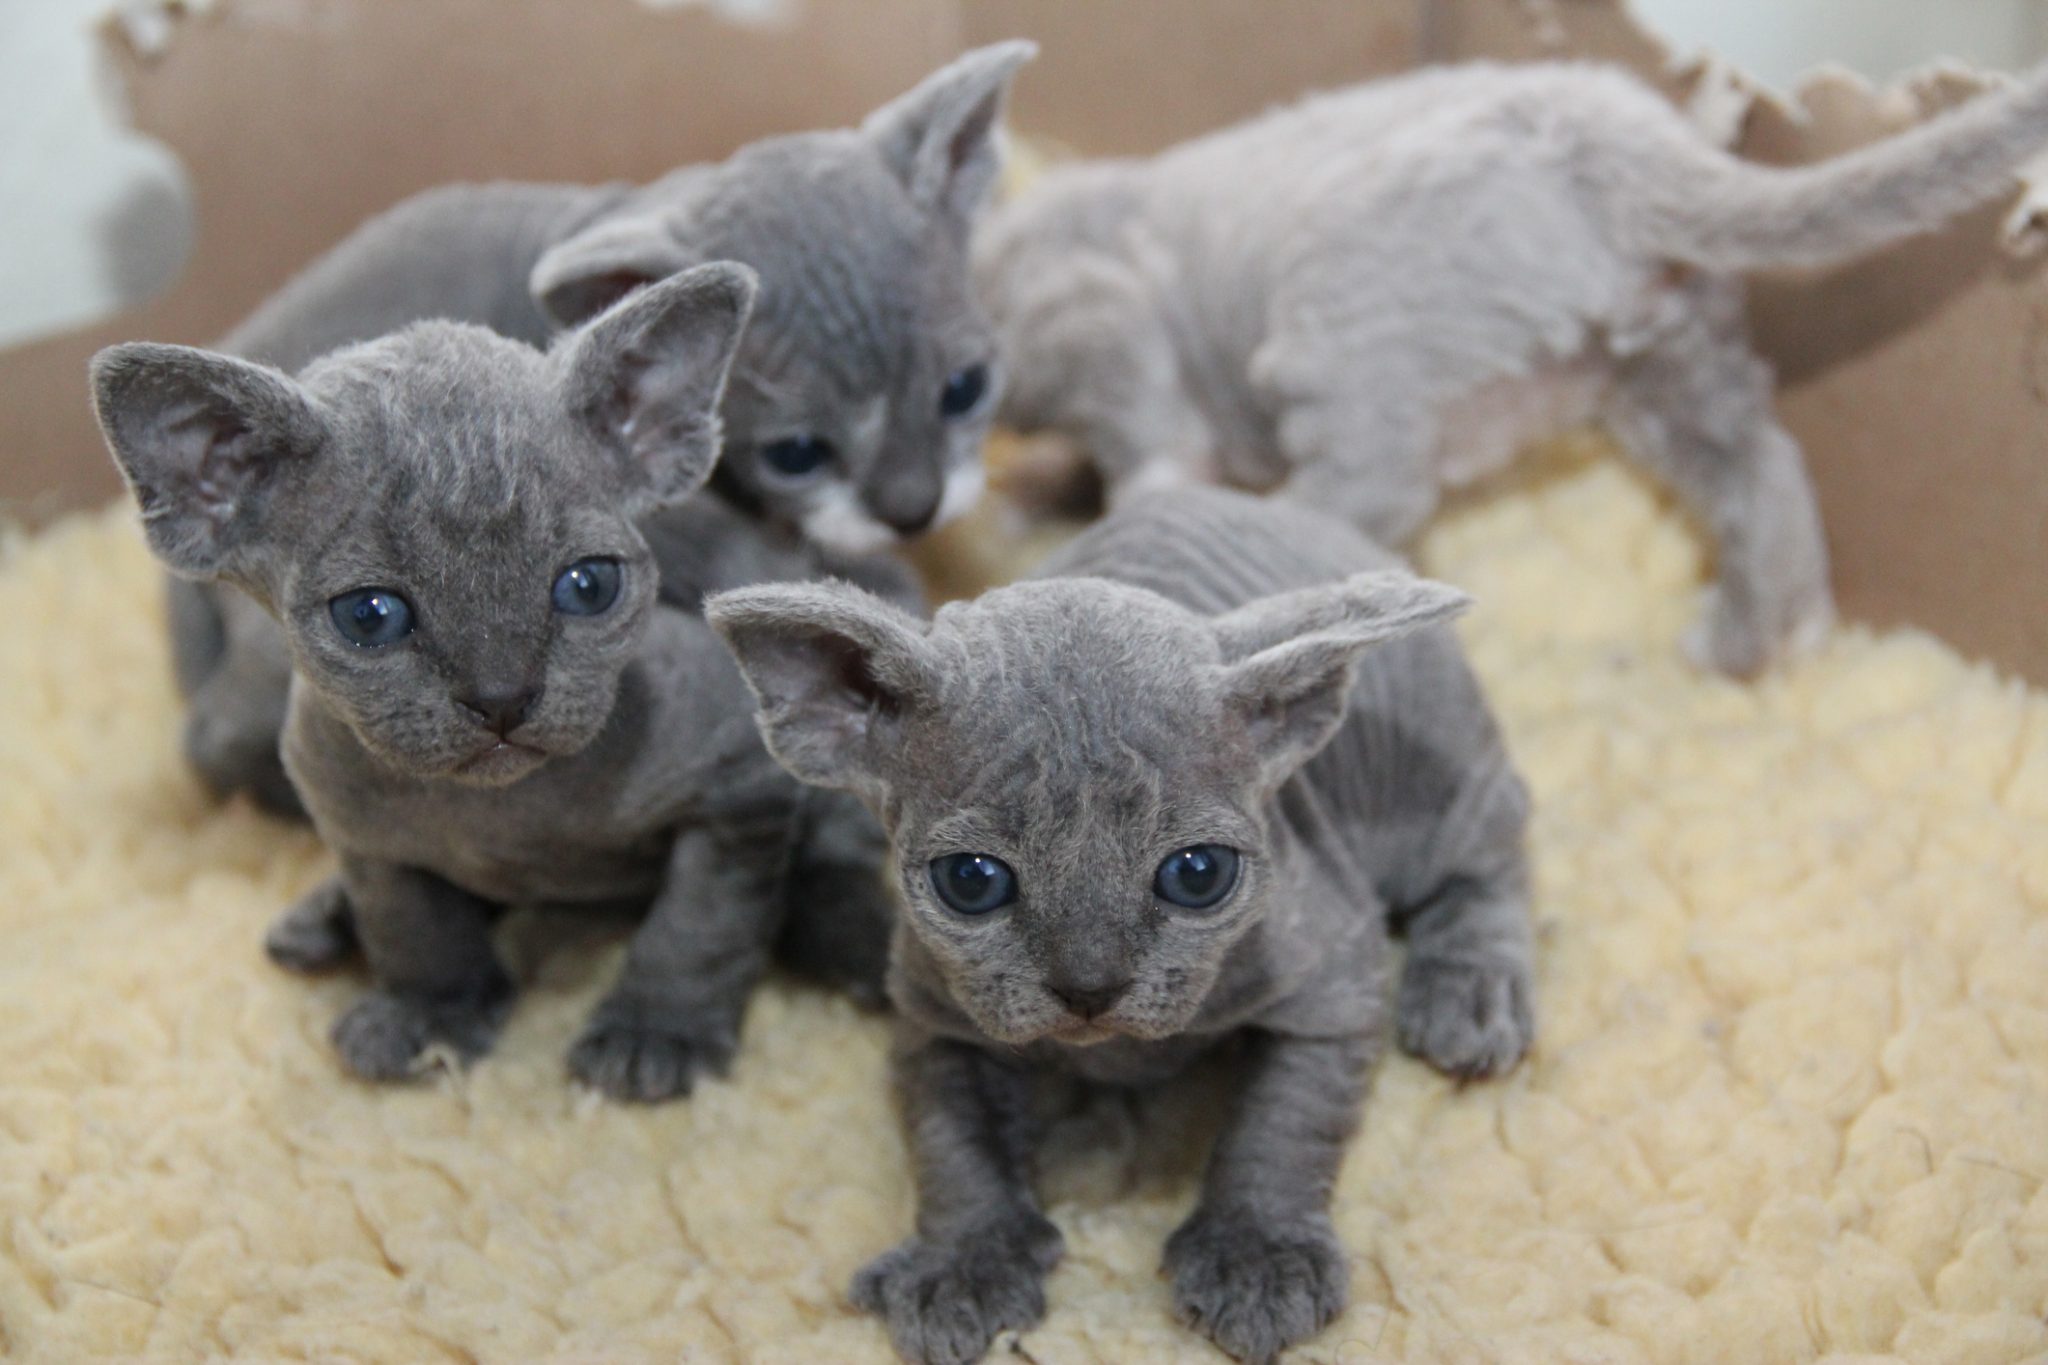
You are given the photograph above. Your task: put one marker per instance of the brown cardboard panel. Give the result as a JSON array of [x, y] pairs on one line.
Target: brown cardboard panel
[[1137, 75], [296, 121], [1917, 380]]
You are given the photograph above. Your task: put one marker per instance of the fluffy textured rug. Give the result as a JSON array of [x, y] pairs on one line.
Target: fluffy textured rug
[[1790, 1098]]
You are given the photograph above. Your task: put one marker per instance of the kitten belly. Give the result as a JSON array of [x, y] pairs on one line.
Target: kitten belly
[[1481, 433]]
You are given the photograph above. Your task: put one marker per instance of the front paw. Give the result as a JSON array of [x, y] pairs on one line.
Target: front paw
[[383, 1036], [1256, 1287], [632, 1057], [317, 934], [946, 1301], [1465, 1018]]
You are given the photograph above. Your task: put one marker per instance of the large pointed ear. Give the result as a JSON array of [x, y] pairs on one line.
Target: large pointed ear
[[203, 441], [581, 276], [834, 669], [648, 374], [1288, 658], [940, 138]]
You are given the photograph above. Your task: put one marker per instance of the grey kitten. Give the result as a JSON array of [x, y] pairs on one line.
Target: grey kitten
[[490, 705], [1165, 795], [1385, 291], [857, 406]]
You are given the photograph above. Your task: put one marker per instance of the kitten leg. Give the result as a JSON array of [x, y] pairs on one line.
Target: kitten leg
[[438, 980], [1695, 407], [977, 1265], [840, 909], [234, 711], [1257, 1266], [675, 1010], [316, 934], [1467, 990], [1357, 445]]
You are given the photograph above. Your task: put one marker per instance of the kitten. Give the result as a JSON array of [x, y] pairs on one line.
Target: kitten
[[490, 705], [1385, 291], [1166, 794], [857, 407]]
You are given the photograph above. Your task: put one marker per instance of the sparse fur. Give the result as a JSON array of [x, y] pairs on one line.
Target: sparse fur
[[1201, 667], [860, 238], [1384, 291], [464, 471]]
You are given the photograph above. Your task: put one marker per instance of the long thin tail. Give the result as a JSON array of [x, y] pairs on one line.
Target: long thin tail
[[1720, 212]]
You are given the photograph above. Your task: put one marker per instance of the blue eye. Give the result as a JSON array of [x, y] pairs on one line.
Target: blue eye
[[371, 617], [963, 390], [1197, 877], [588, 587], [796, 457], [973, 883]]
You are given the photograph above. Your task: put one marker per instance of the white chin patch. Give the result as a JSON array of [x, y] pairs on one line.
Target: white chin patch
[[838, 523], [963, 490]]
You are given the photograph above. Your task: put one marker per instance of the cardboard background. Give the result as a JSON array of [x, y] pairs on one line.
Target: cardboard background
[[1917, 380]]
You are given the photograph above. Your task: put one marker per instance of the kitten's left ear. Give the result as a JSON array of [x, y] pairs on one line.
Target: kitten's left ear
[[1288, 658], [940, 137], [203, 440], [834, 668], [578, 278], [648, 374]]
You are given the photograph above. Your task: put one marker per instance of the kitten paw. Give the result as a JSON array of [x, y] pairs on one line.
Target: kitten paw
[[1256, 1287], [1467, 1019], [315, 935], [946, 1301], [645, 1061], [383, 1036]]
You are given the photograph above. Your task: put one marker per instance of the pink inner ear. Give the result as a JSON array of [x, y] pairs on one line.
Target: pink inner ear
[[223, 466]]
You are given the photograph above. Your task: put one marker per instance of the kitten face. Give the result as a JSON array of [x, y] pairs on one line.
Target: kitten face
[[443, 520], [868, 381], [865, 388], [1074, 771], [446, 532], [1090, 757]]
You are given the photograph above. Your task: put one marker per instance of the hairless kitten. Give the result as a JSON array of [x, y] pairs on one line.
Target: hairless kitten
[[490, 704], [1171, 792], [857, 406], [1385, 291]]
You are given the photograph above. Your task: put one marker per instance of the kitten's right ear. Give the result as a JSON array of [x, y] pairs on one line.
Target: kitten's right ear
[[648, 374], [202, 440], [1288, 658], [580, 277], [833, 668]]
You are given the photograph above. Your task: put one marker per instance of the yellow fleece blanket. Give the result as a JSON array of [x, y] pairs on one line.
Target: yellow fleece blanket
[[1790, 1098]]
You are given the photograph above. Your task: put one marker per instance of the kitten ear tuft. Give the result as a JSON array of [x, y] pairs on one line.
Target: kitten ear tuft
[[647, 376], [581, 276], [203, 440], [833, 668], [1289, 657], [940, 138]]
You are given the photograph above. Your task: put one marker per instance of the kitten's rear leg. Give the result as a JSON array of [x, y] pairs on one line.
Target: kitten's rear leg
[[1357, 447], [231, 660], [1695, 406], [316, 934], [1466, 1003], [837, 927]]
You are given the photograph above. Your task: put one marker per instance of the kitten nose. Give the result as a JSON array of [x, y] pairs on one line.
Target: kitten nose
[[1090, 998], [913, 522], [908, 503], [499, 709]]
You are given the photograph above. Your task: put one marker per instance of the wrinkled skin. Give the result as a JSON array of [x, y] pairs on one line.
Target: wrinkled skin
[[865, 314], [1200, 669], [518, 743], [1383, 292]]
